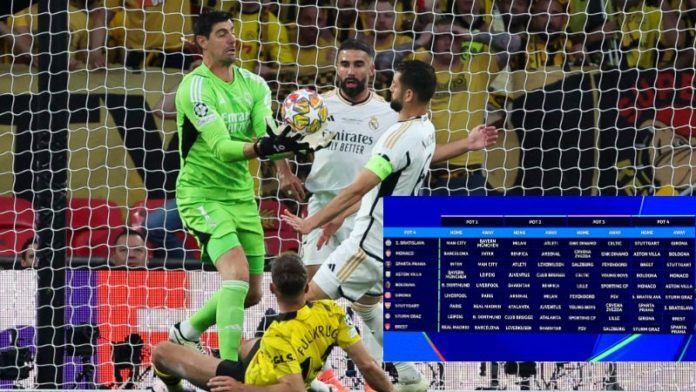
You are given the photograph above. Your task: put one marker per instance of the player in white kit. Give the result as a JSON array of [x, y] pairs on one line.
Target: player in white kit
[[359, 117], [397, 166]]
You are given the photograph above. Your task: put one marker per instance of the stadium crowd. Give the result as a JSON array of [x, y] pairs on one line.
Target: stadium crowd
[[278, 38], [475, 46]]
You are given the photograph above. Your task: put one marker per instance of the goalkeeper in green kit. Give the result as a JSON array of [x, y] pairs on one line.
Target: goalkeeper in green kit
[[224, 119]]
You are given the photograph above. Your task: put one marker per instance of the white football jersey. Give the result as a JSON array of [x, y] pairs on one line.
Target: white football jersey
[[409, 146], [357, 126]]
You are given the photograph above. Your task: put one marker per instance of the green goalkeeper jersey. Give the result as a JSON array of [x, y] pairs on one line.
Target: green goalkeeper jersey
[[214, 120]]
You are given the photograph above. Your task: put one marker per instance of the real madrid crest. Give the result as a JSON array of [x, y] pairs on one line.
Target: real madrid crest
[[373, 123]]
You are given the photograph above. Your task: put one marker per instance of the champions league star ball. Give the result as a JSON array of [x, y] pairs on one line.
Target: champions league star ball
[[304, 110]]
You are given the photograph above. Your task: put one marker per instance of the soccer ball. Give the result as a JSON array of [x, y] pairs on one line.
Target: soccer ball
[[304, 110]]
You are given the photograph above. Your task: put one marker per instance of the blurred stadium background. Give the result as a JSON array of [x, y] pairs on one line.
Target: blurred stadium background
[[593, 97]]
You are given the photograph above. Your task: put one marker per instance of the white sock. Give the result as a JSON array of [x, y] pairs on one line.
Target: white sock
[[327, 365], [372, 318], [188, 331], [318, 386], [375, 350], [407, 372]]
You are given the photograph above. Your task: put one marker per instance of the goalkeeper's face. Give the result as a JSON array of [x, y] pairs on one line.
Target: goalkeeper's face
[[221, 44], [354, 68]]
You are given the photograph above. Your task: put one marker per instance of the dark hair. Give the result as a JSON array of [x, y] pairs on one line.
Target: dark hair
[[289, 275], [28, 243], [127, 232], [206, 21], [419, 77], [354, 44]]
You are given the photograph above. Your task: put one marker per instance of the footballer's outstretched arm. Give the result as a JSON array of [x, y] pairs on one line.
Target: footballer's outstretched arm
[[225, 149], [372, 372], [199, 105], [480, 137], [289, 182], [329, 229], [366, 180]]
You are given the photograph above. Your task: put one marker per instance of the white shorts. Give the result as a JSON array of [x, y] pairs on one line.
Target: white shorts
[[308, 251], [350, 273]]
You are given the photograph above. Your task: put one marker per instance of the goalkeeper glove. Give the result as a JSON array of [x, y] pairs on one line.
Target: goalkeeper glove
[[278, 144]]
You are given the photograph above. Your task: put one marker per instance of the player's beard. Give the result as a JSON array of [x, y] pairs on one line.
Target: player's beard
[[352, 92], [396, 104]]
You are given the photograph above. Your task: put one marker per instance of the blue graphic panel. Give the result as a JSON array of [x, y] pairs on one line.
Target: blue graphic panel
[[539, 278]]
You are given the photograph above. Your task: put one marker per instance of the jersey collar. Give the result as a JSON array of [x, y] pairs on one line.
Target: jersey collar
[[298, 314], [233, 68], [422, 117], [340, 96]]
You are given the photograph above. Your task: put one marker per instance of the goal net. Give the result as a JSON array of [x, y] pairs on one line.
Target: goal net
[[591, 97]]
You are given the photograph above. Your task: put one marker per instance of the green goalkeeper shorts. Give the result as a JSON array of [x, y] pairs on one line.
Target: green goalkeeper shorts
[[221, 226]]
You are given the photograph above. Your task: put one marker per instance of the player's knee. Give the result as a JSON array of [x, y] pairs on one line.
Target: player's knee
[[233, 265], [159, 353]]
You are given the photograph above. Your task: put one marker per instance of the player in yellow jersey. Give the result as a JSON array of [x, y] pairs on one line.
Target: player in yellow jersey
[[291, 352]]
